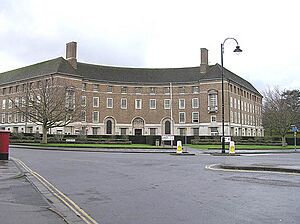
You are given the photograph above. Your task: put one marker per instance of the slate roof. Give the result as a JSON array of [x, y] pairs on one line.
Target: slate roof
[[108, 74]]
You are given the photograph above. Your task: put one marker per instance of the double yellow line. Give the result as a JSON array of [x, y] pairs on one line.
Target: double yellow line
[[63, 198]]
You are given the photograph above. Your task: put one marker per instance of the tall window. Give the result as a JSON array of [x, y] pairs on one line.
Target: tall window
[[123, 103], [195, 103], [95, 101], [109, 103], [167, 104], [167, 128], [83, 116], [212, 100], [181, 103], [152, 103], [96, 116], [195, 117], [138, 104], [181, 117], [3, 104], [196, 131], [3, 118], [109, 127], [83, 101]]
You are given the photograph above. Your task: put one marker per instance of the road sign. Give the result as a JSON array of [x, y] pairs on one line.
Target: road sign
[[226, 139], [167, 138], [294, 129]]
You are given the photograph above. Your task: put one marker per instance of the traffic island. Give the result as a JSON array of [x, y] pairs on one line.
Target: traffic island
[[224, 154]]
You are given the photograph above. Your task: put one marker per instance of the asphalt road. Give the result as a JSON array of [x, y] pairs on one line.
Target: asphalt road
[[117, 188]]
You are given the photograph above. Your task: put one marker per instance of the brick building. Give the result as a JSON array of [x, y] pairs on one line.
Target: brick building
[[140, 101]]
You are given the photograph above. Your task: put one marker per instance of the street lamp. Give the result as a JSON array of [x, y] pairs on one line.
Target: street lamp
[[237, 50]]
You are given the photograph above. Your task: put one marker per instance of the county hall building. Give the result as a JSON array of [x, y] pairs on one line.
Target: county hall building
[[140, 101]]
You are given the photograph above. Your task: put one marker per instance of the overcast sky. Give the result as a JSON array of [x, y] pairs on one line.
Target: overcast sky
[[158, 33]]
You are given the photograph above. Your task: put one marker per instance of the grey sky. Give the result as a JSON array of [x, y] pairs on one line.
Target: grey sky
[[158, 33]]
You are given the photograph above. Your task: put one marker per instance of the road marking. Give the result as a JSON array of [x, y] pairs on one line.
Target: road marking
[[62, 197], [213, 167]]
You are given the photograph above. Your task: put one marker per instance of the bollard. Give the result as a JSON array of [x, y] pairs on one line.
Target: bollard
[[231, 147], [179, 147], [4, 145]]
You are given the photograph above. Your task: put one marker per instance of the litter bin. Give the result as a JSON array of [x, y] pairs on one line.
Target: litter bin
[[157, 142], [4, 145]]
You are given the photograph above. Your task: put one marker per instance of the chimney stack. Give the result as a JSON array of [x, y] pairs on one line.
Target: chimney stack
[[204, 60], [71, 51]]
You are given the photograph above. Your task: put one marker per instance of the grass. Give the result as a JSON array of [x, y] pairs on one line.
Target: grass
[[70, 145], [254, 147]]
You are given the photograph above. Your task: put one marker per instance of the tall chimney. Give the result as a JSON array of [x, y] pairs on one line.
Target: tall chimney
[[71, 51], [204, 60]]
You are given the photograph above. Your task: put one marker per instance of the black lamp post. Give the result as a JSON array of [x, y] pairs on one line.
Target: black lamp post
[[237, 50]]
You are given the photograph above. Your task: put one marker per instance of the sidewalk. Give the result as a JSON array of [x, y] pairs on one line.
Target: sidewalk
[[20, 202]]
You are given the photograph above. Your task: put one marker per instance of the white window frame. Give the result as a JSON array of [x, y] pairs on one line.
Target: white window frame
[[195, 103], [195, 89], [167, 106], [181, 120], [181, 103], [3, 118], [10, 104], [213, 118], [95, 120], [83, 99], [138, 106], [152, 107], [3, 104], [95, 103], [109, 103], [123, 106], [83, 118], [197, 117]]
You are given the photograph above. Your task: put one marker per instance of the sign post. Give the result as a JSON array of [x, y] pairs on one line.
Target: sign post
[[295, 129]]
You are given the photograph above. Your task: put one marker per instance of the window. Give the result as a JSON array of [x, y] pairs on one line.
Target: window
[[70, 98], [231, 116], [213, 118], [95, 101], [84, 86], [235, 103], [3, 104], [9, 118], [167, 128], [181, 90], [95, 130], [10, 104], [10, 90], [195, 89], [167, 104], [196, 131], [3, 118], [95, 87], [109, 89], [152, 90], [123, 131], [212, 101], [23, 102], [195, 117], [4, 91], [167, 90], [124, 89], [214, 131], [138, 90], [231, 102], [182, 131], [109, 127], [123, 103], [83, 116], [17, 88], [109, 103], [181, 117], [83, 101], [181, 103], [138, 104], [96, 116], [238, 105], [195, 103], [152, 104], [152, 131]]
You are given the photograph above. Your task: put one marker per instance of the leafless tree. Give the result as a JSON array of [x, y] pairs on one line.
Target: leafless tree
[[277, 114], [51, 103]]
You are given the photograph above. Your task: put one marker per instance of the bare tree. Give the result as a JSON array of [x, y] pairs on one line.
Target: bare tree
[[277, 114], [51, 103]]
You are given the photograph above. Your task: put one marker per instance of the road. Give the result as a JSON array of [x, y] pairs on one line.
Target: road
[[116, 188]]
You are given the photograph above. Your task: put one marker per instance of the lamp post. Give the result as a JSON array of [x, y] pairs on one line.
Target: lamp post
[[237, 50]]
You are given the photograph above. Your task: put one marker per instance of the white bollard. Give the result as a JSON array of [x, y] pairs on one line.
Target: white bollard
[[179, 147]]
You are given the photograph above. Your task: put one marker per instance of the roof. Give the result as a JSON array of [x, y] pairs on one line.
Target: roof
[[57, 65], [103, 73]]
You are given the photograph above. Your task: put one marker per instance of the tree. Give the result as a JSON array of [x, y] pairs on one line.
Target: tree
[[292, 98], [50, 104], [279, 112]]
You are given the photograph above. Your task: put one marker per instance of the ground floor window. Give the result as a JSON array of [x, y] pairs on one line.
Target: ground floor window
[[196, 131], [123, 131], [152, 131], [182, 131], [214, 131]]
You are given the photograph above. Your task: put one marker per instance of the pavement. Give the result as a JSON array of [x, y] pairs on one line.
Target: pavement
[[21, 201]]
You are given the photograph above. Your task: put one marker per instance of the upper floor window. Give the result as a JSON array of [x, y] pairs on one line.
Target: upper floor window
[[123, 103], [181, 90], [138, 90], [109, 89], [95, 101], [181, 117], [96, 116], [109, 103], [3, 104], [167, 104], [83, 101], [95, 87], [167, 90], [212, 100], [10, 90], [195, 117], [181, 103], [84, 86], [124, 89], [152, 103], [138, 104], [152, 90], [195, 89]]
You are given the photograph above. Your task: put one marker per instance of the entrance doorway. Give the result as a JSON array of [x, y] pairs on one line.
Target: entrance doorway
[[138, 131]]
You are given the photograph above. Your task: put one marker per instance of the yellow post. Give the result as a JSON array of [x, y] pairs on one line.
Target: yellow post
[[179, 147], [231, 147]]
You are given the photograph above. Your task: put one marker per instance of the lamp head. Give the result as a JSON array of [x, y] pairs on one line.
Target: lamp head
[[237, 49]]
